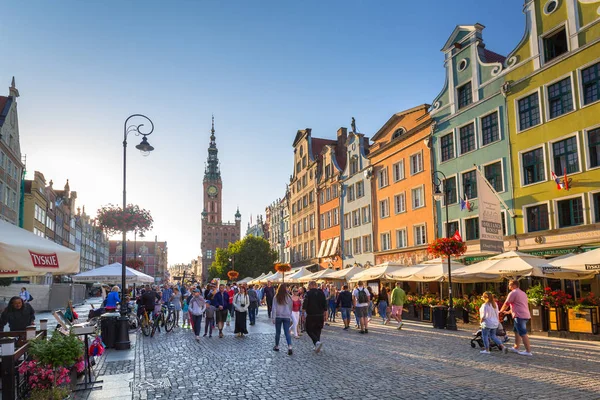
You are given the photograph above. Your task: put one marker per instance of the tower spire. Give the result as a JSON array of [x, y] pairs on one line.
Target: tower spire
[[212, 172]]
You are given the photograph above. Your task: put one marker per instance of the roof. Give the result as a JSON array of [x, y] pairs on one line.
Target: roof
[[318, 144], [5, 103], [395, 118], [491, 57]]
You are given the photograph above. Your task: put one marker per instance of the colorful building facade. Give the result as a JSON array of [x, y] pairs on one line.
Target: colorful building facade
[[553, 104]]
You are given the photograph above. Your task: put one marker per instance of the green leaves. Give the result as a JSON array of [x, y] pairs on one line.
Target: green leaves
[[250, 256], [58, 351]]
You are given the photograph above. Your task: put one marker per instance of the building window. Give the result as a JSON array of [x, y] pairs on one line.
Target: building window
[[366, 214], [401, 241], [304, 180], [323, 221], [590, 80], [367, 245], [469, 182], [355, 218], [328, 194], [560, 98], [305, 200], [467, 138], [398, 132], [328, 171], [594, 147], [447, 147], [472, 229], [385, 241], [450, 189], [533, 166], [312, 222], [493, 173], [416, 163], [489, 129], [360, 189], [570, 212], [529, 111], [306, 250], [398, 169], [418, 197], [596, 201], [328, 219], [420, 235], [555, 45], [351, 196], [399, 203], [334, 191], [298, 166], [348, 248], [322, 197], [353, 165], [565, 156], [357, 246], [347, 221], [382, 177], [451, 228], [465, 97], [384, 211], [336, 216], [311, 197], [312, 249]]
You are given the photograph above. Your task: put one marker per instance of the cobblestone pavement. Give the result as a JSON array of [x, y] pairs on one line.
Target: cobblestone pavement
[[417, 362]]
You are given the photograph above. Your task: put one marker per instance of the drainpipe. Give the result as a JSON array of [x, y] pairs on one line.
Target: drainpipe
[[505, 90]]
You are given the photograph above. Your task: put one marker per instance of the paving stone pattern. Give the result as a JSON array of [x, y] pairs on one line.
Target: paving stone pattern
[[417, 362]]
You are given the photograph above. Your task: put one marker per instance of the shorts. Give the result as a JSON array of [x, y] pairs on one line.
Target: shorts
[[520, 326], [397, 310], [362, 312], [222, 315], [345, 313]]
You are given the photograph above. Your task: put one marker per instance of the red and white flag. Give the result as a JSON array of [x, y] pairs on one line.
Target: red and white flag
[[457, 236], [559, 184]]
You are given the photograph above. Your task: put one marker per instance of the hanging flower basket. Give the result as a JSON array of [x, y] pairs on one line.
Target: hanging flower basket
[[447, 247], [283, 268], [233, 275], [113, 220], [135, 264]]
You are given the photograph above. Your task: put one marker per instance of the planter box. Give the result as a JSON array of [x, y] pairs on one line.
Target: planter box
[[539, 319], [463, 315], [411, 312], [557, 320], [584, 320], [426, 313]]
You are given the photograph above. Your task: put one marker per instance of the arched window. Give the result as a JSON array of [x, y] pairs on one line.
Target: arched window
[[301, 151], [398, 133]]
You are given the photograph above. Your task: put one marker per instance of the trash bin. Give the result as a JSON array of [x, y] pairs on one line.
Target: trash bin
[[108, 327], [439, 316]]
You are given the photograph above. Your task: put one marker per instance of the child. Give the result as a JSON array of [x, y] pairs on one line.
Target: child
[[210, 318], [186, 314]]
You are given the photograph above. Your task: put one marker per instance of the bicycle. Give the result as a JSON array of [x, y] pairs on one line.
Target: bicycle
[[167, 321], [144, 323]]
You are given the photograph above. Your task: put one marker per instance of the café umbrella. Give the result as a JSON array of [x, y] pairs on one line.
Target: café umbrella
[[112, 273], [23, 253], [587, 262]]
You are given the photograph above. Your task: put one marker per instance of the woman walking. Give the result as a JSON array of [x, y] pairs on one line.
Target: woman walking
[[489, 323], [331, 303], [296, 307], [177, 304], [241, 302], [281, 314], [382, 303], [197, 308]]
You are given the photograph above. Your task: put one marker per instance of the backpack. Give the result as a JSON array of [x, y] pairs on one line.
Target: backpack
[[362, 296]]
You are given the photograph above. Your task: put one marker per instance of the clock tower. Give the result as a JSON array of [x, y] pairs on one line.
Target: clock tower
[[215, 233]]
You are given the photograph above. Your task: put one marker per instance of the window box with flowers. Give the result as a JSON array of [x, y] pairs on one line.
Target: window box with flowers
[[583, 316]]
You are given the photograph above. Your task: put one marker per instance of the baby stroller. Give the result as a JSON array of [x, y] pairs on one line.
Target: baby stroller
[[478, 339]]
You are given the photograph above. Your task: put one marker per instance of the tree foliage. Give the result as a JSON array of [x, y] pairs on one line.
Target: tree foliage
[[252, 256]]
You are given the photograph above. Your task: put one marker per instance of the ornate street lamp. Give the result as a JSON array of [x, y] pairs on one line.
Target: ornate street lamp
[[438, 195], [122, 337]]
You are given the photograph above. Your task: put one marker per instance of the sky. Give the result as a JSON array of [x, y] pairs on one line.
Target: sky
[[265, 69]]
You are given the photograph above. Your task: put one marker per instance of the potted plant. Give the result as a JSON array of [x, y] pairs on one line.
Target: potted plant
[[462, 307], [537, 309], [54, 366], [113, 219], [583, 315], [411, 307], [556, 301]]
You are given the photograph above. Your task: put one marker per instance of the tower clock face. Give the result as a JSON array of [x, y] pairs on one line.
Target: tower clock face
[[212, 191]]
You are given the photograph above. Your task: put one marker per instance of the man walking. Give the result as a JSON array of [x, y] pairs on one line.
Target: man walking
[[398, 299], [344, 302], [253, 296], [519, 308], [221, 303], [361, 306], [315, 305], [269, 294]]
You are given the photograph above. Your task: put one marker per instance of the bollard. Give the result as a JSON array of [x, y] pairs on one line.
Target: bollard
[[43, 324], [30, 333], [8, 367]]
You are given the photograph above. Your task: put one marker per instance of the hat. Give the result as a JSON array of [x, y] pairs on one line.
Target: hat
[[196, 290], [207, 302]]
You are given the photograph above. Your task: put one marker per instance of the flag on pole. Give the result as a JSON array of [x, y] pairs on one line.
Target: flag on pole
[[465, 204], [559, 185], [566, 182], [457, 236]]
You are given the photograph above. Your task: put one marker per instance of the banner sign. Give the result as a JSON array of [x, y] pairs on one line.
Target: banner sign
[[491, 238], [44, 260], [592, 267]]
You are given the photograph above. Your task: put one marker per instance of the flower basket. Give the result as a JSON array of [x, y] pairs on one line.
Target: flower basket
[[233, 275], [138, 265], [447, 247], [113, 219], [283, 268]]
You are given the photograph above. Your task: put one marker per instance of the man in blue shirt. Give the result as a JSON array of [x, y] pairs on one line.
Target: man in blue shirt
[[221, 302], [167, 294]]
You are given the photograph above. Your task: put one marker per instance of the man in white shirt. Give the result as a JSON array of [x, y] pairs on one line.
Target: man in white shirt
[[360, 299]]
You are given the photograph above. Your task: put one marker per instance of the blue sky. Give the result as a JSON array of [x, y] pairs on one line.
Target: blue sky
[[264, 68]]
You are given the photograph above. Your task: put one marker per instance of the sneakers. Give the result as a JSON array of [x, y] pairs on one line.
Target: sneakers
[[290, 352], [400, 325], [366, 331], [197, 338], [525, 353], [513, 350], [346, 328], [362, 332], [484, 352], [204, 335], [387, 321], [318, 346], [275, 348], [220, 334]]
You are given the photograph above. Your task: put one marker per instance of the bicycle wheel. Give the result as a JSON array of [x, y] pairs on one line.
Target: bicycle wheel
[[155, 325], [170, 323], [146, 327]]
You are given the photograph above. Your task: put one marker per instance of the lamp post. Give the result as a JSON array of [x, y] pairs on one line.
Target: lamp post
[[438, 195], [122, 337]]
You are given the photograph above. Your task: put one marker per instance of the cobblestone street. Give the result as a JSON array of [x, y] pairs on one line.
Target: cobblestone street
[[417, 362]]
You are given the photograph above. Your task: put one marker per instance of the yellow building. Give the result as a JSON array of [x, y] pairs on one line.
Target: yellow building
[[553, 101], [35, 205]]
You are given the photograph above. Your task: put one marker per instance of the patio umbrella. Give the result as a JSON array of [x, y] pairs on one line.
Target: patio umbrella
[[246, 280], [23, 253], [434, 270], [377, 272], [257, 279], [112, 273], [345, 274], [322, 274], [587, 262], [298, 276]]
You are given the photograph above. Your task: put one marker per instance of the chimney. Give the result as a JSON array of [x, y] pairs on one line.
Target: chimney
[[342, 136]]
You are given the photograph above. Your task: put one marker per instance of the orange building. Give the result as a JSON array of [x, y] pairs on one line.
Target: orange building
[[333, 161], [402, 192]]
